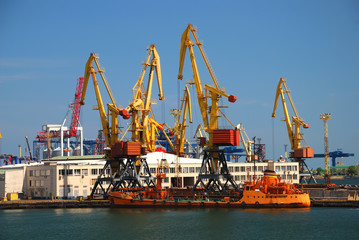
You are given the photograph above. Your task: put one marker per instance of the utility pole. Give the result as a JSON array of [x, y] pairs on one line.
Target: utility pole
[[285, 152], [19, 151], [325, 117]]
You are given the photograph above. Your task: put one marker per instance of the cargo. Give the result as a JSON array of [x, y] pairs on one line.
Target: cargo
[[304, 153], [310, 152], [123, 149], [226, 137], [131, 148], [300, 153]]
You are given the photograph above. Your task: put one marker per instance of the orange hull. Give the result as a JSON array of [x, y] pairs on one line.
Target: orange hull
[[118, 199], [252, 197]]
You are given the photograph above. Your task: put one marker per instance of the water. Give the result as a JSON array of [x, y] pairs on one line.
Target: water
[[345, 181], [313, 223]]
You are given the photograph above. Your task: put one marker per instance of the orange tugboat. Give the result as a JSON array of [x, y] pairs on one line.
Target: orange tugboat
[[267, 192]]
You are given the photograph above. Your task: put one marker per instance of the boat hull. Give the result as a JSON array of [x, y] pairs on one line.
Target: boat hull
[[121, 200]]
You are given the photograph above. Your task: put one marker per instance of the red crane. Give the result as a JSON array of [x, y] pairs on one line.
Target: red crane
[[76, 108]]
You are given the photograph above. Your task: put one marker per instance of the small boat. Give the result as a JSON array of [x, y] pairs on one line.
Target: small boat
[[267, 192]]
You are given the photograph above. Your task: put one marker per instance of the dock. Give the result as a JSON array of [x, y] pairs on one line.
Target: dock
[[32, 204]]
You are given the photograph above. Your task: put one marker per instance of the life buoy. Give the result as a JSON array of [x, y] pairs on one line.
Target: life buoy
[[256, 204]]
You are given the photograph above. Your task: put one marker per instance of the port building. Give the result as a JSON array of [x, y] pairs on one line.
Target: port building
[[74, 176]]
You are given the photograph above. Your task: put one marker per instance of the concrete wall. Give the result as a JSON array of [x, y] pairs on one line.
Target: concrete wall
[[12, 181], [331, 194]]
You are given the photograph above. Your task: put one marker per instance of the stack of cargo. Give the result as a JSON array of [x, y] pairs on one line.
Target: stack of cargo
[[123, 149], [303, 153], [226, 137]]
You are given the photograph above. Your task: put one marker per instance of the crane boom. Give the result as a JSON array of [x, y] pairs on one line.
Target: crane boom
[[247, 144], [294, 135], [76, 108], [140, 106], [111, 134], [185, 108]]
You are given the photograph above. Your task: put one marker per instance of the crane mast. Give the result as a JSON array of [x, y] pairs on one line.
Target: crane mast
[[325, 117], [214, 159]]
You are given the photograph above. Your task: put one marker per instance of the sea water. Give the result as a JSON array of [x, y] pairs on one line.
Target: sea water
[[115, 223]]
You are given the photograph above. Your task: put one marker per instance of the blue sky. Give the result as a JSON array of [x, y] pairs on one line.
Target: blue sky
[[44, 46]]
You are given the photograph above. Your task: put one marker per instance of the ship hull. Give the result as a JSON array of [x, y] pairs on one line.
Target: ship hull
[[121, 200]]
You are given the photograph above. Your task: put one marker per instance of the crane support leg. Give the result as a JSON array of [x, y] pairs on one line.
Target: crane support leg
[[303, 166], [211, 180], [123, 173], [131, 177]]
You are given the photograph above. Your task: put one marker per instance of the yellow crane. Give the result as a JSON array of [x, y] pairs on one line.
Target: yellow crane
[[121, 156], [140, 106], [247, 143], [200, 132], [294, 125], [110, 132], [143, 126], [213, 157], [179, 128]]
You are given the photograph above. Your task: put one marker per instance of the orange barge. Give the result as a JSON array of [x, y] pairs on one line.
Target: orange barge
[[267, 192]]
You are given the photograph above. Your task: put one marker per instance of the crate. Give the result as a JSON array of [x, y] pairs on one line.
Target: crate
[[131, 148], [304, 153], [123, 149], [310, 153], [226, 137]]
